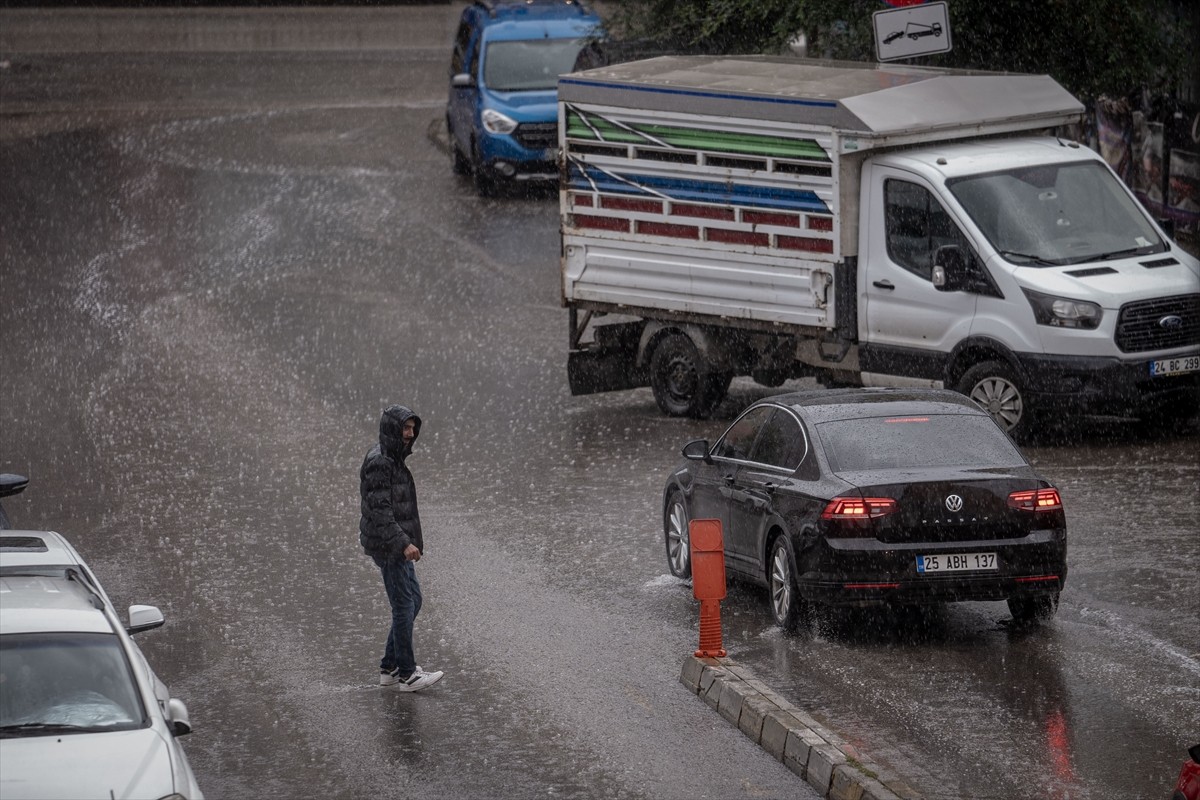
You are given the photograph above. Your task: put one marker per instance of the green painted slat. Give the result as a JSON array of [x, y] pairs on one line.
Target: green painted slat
[[697, 139]]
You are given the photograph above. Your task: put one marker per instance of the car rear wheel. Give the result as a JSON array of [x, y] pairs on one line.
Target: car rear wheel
[[684, 384], [996, 388], [675, 530], [788, 608], [1033, 609]]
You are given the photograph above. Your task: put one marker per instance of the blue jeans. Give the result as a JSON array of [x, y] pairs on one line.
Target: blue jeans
[[404, 595]]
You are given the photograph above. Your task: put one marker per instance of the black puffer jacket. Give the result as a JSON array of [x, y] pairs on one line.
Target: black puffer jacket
[[390, 521]]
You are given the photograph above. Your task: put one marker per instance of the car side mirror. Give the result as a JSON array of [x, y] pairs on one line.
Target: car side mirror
[[144, 618], [949, 268], [11, 484], [177, 718], [697, 450], [462, 81]]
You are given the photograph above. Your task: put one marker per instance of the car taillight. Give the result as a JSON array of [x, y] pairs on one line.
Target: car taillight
[[1036, 500], [858, 508]]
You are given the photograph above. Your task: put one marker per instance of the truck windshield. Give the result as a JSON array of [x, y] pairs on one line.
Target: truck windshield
[[1057, 214], [529, 66]]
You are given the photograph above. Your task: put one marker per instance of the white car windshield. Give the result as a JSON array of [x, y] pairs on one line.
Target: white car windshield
[[1057, 214], [54, 683], [522, 66]]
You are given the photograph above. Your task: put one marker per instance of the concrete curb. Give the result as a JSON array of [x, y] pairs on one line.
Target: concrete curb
[[832, 767]]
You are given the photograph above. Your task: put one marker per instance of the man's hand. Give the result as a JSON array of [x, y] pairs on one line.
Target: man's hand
[[411, 553]]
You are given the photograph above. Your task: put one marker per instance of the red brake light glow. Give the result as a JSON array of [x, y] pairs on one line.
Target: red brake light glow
[[1036, 500], [858, 508], [907, 419]]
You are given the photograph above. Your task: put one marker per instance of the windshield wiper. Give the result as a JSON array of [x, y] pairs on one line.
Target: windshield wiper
[[1028, 257], [38, 728], [1129, 251]]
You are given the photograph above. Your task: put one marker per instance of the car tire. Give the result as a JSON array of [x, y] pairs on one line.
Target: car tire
[[684, 384], [485, 184], [788, 608], [997, 389], [1033, 609], [459, 164], [675, 532]]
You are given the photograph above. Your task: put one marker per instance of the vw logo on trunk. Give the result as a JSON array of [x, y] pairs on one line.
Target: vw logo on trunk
[[954, 503]]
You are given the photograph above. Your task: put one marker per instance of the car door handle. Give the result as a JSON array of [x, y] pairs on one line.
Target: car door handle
[[883, 285]]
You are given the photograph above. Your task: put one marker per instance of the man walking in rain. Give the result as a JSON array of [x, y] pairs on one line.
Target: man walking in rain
[[390, 533]]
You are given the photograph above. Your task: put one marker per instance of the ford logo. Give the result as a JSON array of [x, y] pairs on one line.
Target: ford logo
[[1171, 323], [954, 503]]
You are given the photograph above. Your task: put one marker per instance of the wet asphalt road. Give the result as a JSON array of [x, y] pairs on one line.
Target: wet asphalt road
[[216, 268]]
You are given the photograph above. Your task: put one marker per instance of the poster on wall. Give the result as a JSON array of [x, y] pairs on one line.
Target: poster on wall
[[1183, 194]]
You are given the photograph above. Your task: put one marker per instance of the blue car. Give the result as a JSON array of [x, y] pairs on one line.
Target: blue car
[[502, 115]]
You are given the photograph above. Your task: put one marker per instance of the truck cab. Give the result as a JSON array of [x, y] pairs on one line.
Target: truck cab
[[502, 113], [1025, 275]]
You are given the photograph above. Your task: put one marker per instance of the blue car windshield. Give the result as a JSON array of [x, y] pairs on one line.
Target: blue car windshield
[[933, 440], [522, 66]]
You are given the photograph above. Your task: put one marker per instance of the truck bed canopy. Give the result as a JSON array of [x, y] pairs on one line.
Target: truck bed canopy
[[883, 102]]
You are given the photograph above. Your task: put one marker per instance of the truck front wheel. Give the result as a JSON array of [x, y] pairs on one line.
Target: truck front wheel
[[995, 387], [684, 384]]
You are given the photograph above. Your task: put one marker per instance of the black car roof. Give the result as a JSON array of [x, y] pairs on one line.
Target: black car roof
[[825, 405]]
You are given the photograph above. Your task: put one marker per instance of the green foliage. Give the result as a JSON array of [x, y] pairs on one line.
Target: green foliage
[[1092, 47]]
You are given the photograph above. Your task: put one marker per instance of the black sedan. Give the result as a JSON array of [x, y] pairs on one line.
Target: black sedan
[[872, 496]]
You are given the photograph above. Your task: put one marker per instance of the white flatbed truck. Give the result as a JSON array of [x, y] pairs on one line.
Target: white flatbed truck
[[865, 225]]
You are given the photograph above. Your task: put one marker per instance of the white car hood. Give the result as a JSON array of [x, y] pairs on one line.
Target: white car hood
[[1114, 283], [117, 765]]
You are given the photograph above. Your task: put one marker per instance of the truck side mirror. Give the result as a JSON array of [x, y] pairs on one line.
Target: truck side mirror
[[949, 268], [462, 81]]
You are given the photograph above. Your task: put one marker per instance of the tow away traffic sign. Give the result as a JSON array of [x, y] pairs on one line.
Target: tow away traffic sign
[[912, 31]]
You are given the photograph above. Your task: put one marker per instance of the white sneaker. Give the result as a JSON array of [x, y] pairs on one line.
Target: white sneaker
[[419, 680], [389, 678]]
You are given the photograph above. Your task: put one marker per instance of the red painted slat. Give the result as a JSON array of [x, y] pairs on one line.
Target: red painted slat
[[804, 243], [737, 237], [704, 212], [770, 218], [667, 229], [601, 223], [628, 204]]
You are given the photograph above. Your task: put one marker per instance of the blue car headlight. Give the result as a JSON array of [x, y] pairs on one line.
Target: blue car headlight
[[495, 122]]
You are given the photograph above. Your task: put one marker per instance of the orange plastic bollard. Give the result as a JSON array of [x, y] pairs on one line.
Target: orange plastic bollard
[[708, 582]]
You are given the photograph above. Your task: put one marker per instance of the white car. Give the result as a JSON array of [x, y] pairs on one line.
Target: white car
[[82, 714]]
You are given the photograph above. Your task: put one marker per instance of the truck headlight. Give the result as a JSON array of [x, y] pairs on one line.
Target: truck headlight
[[1063, 312], [495, 122]]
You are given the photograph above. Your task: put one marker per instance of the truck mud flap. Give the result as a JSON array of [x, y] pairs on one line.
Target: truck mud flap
[[608, 364]]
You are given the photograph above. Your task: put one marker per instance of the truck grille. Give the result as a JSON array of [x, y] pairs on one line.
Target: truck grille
[[537, 135], [1148, 324]]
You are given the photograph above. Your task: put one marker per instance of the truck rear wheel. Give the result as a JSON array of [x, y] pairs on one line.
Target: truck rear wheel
[[997, 389], [684, 384]]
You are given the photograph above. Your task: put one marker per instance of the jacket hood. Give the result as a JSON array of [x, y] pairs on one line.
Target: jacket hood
[[391, 428]]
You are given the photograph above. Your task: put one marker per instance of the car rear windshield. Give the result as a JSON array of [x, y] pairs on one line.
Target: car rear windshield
[[55, 683], [933, 440], [529, 66]]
